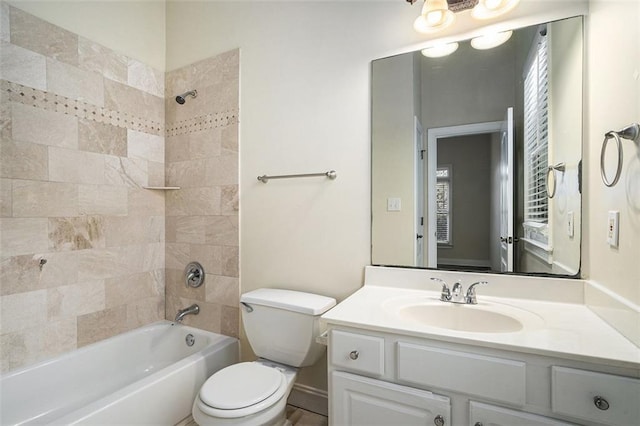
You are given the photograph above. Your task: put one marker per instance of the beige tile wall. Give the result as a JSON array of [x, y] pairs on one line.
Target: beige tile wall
[[201, 156], [82, 130]]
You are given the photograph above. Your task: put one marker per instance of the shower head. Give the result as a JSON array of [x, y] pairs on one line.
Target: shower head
[[181, 99]]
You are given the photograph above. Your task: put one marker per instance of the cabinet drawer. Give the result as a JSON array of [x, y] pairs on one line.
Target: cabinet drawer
[[489, 415], [488, 377], [574, 393], [357, 352]]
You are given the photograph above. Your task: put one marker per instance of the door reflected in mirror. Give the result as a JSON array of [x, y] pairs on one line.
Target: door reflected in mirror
[[476, 156]]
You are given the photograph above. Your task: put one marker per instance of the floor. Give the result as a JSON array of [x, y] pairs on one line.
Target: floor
[[297, 417]]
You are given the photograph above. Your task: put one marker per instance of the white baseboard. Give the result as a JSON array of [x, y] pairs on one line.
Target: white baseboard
[[310, 399]]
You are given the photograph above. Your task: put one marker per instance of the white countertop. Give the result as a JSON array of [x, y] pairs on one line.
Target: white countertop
[[564, 330]]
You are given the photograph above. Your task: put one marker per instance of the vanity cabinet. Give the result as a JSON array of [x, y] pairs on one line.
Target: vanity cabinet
[[391, 379]]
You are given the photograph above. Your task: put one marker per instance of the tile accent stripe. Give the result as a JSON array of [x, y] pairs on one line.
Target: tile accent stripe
[[52, 102], [202, 122]]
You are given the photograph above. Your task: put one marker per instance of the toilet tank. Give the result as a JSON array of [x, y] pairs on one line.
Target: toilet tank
[[282, 325]]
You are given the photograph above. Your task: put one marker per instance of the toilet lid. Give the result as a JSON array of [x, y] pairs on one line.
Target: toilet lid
[[241, 385]]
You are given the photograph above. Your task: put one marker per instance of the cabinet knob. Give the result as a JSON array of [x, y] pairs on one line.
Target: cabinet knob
[[600, 403], [438, 420], [354, 355], [478, 424]]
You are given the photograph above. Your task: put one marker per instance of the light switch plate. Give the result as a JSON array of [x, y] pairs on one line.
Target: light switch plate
[[613, 227], [570, 224]]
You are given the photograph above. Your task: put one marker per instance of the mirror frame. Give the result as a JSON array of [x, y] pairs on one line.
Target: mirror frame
[[465, 37]]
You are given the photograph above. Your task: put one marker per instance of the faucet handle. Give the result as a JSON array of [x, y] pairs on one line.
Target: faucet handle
[[470, 298], [445, 293]]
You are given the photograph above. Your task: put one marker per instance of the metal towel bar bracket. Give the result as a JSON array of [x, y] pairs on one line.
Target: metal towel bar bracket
[[632, 133], [331, 174], [560, 167]]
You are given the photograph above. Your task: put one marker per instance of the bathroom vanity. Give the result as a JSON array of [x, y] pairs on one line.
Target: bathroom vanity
[[399, 355]]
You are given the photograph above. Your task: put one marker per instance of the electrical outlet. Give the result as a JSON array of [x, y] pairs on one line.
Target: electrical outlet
[[613, 228], [394, 204]]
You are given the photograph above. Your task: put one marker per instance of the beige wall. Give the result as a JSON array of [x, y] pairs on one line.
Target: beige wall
[[202, 216], [470, 159], [450, 94], [610, 108], [392, 136], [135, 28], [82, 132]]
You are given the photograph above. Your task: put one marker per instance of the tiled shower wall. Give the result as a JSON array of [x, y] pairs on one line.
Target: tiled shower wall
[[201, 157], [82, 243]]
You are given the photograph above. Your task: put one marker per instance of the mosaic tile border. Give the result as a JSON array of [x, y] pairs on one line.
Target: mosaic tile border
[[15, 92], [37, 98], [202, 122]]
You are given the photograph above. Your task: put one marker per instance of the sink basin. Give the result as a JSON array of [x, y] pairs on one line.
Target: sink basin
[[470, 318], [485, 317]]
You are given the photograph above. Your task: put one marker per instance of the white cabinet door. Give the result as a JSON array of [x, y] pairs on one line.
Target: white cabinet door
[[489, 415], [357, 400]]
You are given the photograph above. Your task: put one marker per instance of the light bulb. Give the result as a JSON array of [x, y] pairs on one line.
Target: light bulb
[[487, 9], [434, 17], [492, 4], [440, 50], [489, 41]]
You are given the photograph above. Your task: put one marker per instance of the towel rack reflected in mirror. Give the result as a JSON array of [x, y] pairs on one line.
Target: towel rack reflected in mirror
[[560, 167]]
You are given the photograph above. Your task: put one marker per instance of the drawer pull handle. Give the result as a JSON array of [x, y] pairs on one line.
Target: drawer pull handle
[[354, 355], [438, 420], [601, 403]]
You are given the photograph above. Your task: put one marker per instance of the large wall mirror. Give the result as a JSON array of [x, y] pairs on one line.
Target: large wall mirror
[[476, 156]]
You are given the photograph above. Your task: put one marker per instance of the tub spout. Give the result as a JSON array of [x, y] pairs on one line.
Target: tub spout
[[191, 310]]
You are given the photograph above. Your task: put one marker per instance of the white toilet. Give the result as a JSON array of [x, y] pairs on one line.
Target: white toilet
[[282, 326]]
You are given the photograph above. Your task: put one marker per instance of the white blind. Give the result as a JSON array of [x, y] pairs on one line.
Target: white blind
[[536, 135], [443, 205]]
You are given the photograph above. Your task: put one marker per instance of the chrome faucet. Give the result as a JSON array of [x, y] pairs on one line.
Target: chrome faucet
[[470, 297], [445, 294], [191, 310], [454, 295]]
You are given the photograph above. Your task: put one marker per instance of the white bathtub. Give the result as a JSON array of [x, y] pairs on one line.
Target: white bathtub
[[146, 376]]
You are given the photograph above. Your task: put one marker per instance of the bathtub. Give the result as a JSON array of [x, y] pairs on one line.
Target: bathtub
[[146, 376]]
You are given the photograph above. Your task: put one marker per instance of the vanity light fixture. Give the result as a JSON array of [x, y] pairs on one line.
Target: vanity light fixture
[[487, 9], [440, 50], [489, 41], [435, 16]]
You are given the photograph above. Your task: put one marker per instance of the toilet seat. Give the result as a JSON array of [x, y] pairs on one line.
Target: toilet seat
[[241, 390]]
